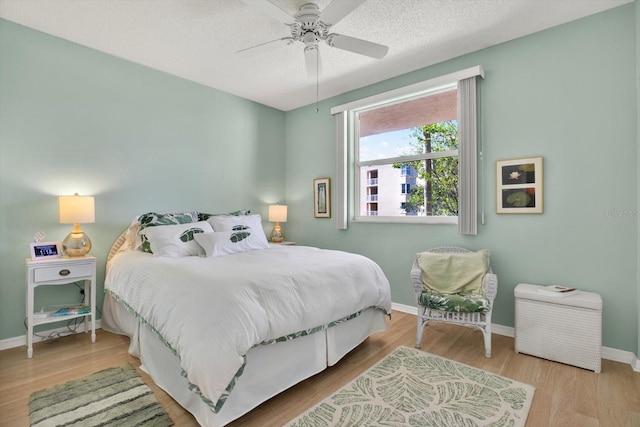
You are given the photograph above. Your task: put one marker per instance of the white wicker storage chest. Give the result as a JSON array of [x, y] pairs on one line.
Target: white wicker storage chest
[[566, 329]]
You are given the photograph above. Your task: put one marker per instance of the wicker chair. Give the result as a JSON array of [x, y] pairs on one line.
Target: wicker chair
[[479, 319]]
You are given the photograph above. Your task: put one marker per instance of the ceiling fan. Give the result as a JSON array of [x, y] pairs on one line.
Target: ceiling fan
[[310, 26]]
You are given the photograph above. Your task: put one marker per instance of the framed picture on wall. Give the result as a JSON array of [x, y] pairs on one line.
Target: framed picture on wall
[[322, 198], [519, 185]]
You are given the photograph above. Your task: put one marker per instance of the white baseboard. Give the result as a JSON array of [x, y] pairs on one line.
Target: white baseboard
[[621, 356], [409, 309], [22, 340], [607, 352]]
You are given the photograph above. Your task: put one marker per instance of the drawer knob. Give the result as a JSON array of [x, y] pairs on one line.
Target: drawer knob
[[64, 272]]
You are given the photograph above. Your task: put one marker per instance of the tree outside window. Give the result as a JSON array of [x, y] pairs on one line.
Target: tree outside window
[[436, 190]]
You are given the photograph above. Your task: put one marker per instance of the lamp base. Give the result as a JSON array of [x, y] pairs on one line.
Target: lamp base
[[76, 244], [277, 235]]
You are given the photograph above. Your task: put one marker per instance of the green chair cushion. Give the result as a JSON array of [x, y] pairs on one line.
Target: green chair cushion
[[471, 303]]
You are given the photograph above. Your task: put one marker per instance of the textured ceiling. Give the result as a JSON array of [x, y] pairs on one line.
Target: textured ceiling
[[197, 39]]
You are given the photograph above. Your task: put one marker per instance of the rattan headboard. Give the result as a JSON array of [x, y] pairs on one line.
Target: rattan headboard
[[117, 245]]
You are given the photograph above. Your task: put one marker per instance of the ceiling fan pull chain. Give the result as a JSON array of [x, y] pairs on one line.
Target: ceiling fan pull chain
[[317, 78]]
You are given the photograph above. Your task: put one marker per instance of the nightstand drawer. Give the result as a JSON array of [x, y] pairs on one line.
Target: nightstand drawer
[[62, 272]]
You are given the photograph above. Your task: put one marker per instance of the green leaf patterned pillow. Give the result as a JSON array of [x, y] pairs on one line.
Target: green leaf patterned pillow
[[177, 240], [222, 243], [234, 234], [202, 216], [154, 219]]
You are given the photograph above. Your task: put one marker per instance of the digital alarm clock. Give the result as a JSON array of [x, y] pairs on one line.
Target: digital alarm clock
[[44, 250]]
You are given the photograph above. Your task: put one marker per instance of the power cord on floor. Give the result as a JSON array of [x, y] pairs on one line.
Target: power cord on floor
[[71, 328]]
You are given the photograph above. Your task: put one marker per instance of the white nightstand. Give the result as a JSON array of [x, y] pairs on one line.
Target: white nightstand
[[60, 271]]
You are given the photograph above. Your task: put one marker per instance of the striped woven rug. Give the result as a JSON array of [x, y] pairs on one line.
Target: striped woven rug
[[113, 397]]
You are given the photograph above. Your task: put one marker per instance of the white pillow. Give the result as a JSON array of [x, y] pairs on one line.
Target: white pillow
[[249, 223], [176, 240], [229, 242]]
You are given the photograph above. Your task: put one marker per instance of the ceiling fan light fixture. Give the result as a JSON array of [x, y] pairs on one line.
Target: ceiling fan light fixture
[[310, 40]]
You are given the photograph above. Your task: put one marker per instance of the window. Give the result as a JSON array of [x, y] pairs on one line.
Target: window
[[406, 169], [421, 142], [413, 143]]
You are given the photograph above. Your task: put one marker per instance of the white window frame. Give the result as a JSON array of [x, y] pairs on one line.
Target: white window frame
[[357, 164], [346, 132]]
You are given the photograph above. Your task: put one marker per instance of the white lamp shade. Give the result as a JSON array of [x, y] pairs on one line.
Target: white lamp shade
[[76, 209], [278, 213]]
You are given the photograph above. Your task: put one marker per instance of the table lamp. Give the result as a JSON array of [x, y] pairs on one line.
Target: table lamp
[[76, 210], [277, 214]]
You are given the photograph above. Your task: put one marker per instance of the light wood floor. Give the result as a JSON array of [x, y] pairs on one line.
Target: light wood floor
[[565, 395]]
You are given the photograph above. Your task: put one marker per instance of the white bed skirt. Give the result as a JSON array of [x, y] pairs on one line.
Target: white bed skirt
[[270, 369]]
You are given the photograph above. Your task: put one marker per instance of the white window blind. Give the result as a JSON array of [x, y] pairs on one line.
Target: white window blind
[[467, 155], [340, 188]]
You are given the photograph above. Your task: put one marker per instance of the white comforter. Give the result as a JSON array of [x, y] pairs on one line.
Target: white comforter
[[211, 311]]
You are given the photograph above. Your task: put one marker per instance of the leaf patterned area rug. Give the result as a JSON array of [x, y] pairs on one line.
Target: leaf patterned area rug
[[115, 397], [412, 388]]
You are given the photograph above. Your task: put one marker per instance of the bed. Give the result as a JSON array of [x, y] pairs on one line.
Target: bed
[[223, 329]]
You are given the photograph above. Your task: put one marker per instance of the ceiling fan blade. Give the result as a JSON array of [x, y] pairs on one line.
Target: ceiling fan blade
[[271, 10], [359, 46], [312, 60], [264, 47], [338, 9]]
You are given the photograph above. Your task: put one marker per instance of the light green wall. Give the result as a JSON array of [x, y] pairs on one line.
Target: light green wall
[[76, 120], [567, 94]]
